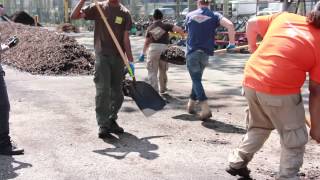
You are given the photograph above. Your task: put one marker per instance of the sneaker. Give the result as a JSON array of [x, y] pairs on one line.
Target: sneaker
[[242, 172], [104, 132], [11, 149], [163, 91]]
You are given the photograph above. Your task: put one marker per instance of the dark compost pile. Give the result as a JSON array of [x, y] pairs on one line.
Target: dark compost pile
[[23, 18], [41, 51]]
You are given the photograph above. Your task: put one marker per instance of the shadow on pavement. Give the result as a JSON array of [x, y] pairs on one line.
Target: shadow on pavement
[[222, 127], [127, 143], [186, 117], [212, 124], [9, 166]]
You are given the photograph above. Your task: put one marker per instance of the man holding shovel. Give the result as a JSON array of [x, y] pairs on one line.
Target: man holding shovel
[[273, 77], [109, 66]]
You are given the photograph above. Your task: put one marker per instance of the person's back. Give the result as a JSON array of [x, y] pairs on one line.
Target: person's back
[[158, 32], [201, 25], [290, 49]]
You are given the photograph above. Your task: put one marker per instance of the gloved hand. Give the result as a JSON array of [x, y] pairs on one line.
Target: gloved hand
[[12, 41], [141, 57], [132, 67], [230, 46]]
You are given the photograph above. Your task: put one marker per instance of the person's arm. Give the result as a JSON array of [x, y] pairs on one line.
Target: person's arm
[[314, 108], [76, 12], [127, 46], [229, 26], [258, 26], [252, 33]]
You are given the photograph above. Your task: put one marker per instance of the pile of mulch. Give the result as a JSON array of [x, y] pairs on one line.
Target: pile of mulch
[[174, 55], [41, 51], [67, 27]]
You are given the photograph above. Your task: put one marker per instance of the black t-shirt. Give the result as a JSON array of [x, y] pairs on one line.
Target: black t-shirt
[[158, 32]]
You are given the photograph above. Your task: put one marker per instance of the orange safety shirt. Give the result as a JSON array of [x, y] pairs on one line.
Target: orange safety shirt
[[290, 49]]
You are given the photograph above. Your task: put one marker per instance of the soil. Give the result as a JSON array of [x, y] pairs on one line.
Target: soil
[[41, 51]]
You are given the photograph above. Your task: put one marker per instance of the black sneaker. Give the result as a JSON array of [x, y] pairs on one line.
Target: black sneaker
[[104, 132], [243, 172], [11, 149]]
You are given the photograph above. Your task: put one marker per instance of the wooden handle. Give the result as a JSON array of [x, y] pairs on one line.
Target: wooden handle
[[115, 40], [233, 49]]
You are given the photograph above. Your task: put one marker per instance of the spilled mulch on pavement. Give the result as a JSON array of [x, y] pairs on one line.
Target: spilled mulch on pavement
[[41, 51]]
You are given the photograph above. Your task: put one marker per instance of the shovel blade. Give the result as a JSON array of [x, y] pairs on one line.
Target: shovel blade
[[147, 99]]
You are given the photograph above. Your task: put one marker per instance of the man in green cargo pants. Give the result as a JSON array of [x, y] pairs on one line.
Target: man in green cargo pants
[[109, 67]]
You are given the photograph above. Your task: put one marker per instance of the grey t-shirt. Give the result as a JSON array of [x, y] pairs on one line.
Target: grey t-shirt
[[120, 21]]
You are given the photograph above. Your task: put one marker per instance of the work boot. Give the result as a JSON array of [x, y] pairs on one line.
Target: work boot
[[191, 106], [205, 111], [114, 128], [10, 149], [242, 172]]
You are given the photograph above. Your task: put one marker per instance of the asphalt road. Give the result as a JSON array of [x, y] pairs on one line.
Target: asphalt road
[[53, 118]]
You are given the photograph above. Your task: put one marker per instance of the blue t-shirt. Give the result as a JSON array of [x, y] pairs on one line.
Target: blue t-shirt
[[201, 25]]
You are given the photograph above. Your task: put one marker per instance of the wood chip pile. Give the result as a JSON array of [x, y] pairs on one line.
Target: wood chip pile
[[41, 51]]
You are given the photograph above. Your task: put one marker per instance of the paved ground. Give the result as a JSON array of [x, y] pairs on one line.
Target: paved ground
[[53, 119]]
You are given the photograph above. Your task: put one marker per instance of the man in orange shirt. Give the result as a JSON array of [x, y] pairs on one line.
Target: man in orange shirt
[[273, 77]]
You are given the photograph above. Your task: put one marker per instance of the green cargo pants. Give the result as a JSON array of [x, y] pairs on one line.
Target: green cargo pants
[[108, 79]]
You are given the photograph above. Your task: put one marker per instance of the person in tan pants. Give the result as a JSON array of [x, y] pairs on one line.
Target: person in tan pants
[[157, 40], [273, 77]]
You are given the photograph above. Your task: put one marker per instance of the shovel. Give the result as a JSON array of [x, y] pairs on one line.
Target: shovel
[[147, 99]]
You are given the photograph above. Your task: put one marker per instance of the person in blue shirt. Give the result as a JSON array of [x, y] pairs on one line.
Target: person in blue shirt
[[201, 25]]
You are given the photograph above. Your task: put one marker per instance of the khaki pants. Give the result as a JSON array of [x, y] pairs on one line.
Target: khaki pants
[[154, 64], [286, 115]]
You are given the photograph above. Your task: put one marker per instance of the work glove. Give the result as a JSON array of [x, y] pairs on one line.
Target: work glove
[[12, 41], [230, 46], [141, 57]]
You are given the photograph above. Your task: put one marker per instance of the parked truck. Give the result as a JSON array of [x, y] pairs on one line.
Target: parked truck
[[243, 8]]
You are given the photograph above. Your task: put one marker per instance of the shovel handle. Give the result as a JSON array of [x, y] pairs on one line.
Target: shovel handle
[[115, 40], [233, 49]]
